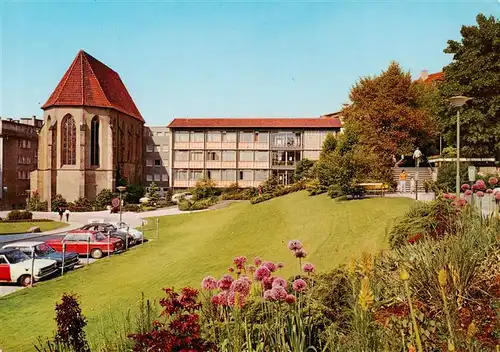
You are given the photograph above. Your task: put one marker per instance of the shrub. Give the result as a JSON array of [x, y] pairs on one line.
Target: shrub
[[447, 175], [334, 191], [81, 205], [133, 193], [35, 204], [104, 198], [234, 192], [303, 170], [270, 185], [261, 198], [186, 205], [19, 215], [165, 203], [58, 202], [299, 186], [204, 188], [132, 207]]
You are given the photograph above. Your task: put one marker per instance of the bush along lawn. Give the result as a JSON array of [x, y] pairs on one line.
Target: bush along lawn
[[193, 245], [434, 294]]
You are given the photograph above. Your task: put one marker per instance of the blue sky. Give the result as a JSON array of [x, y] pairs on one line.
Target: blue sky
[[231, 59]]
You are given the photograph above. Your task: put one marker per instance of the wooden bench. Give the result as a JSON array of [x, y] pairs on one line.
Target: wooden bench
[[374, 187]]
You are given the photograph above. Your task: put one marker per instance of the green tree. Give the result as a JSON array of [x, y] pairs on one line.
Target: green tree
[[303, 170], [329, 144], [153, 193], [104, 198], [204, 188], [474, 72], [133, 193]]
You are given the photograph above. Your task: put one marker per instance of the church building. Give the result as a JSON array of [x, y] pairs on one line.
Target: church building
[[92, 134]]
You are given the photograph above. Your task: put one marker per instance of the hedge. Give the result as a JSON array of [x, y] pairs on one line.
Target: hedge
[[26, 220]]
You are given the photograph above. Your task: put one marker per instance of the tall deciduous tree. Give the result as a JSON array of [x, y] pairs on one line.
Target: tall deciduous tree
[[387, 116], [474, 72]]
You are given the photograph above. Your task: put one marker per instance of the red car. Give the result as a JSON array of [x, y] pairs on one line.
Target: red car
[[77, 241]]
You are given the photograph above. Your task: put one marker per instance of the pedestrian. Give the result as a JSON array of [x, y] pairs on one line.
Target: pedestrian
[[67, 212], [394, 160], [417, 156], [403, 176], [60, 211]]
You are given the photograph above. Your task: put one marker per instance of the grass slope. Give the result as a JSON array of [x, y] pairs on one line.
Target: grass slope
[[8, 228], [194, 245]]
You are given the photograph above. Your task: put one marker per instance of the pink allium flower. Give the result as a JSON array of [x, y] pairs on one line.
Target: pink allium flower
[[290, 299], [279, 293], [230, 269], [280, 265], [309, 268], [489, 190], [261, 273], [465, 187], [247, 279], [468, 192], [462, 202], [452, 196], [294, 245], [493, 181], [231, 299], [268, 295], [480, 185], [209, 283], [300, 253], [446, 196], [219, 299], [497, 196], [480, 194], [257, 261], [225, 282], [270, 265], [268, 282], [240, 262], [278, 281], [252, 268], [299, 285], [240, 286]]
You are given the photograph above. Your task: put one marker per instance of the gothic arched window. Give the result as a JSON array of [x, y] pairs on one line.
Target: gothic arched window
[[94, 142], [68, 141]]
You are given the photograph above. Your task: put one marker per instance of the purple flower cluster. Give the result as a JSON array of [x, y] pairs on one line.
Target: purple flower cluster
[[297, 248], [209, 283], [299, 285], [309, 268], [262, 272], [270, 265], [240, 262], [225, 282]]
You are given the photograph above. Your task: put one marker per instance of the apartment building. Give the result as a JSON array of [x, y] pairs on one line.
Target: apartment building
[[18, 158], [244, 151], [157, 155]]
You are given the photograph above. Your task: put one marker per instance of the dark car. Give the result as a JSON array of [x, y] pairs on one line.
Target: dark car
[[44, 251], [111, 230]]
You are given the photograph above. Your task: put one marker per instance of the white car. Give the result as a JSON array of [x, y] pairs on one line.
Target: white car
[[15, 266], [124, 227], [186, 195]]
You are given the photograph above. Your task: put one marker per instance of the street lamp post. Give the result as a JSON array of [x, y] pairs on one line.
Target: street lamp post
[[458, 101], [121, 189]]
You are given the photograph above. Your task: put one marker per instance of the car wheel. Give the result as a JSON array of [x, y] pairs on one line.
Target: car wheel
[[96, 253], [25, 280]]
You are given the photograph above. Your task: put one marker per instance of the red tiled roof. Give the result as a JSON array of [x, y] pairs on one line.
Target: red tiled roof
[[438, 76], [256, 123], [89, 82]]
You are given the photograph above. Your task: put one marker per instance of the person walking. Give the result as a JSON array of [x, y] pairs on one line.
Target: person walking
[[417, 156], [67, 212], [403, 176], [60, 212]]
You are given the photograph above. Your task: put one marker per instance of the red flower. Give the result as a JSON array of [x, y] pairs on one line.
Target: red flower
[[479, 194], [468, 192], [415, 238], [465, 187], [493, 181]]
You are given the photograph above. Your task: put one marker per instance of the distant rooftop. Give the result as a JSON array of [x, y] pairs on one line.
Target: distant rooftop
[[316, 122]]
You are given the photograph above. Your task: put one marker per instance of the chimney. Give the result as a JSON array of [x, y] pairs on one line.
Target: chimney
[[424, 74]]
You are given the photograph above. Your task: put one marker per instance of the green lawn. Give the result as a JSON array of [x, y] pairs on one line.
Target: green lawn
[[194, 245], [22, 227]]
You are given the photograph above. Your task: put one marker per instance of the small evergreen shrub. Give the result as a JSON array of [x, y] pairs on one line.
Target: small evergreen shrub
[[104, 198], [19, 215], [334, 191], [261, 198], [132, 207], [58, 202]]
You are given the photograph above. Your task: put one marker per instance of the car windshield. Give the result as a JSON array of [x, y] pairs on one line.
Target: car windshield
[[121, 225], [100, 236], [43, 249], [16, 257]]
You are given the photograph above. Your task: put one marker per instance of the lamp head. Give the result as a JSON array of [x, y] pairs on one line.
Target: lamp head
[[458, 100], [121, 188]]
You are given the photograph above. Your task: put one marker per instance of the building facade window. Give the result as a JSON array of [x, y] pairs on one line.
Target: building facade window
[[181, 155], [149, 148], [261, 156], [195, 175], [157, 162], [286, 139], [181, 175], [286, 158], [157, 177], [213, 155], [229, 137], [181, 137], [165, 148], [164, 177], [196, 155], [213, 137], [245, 175], [149, 162], [149, 178], [157, 148], [159, 134], [94, 141], [261, 137], [197, 137], [228, 175], [246, 137], [246, 155], [228, 155], [261, 175], [214, 175], [68, 141]]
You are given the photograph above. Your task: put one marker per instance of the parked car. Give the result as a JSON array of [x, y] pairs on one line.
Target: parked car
[[184, 195], [122, 226], [77, 241], [15, 266], [109, 229], [42, 250]]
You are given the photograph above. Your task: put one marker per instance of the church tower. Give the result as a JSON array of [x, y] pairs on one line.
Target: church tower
[[92, 131]]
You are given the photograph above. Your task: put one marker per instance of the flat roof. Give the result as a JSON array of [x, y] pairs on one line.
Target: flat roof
[[256, 123]]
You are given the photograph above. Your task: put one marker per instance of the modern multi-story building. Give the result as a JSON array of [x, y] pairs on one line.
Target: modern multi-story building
[[244, 151], [18, 158], [157, 155]]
